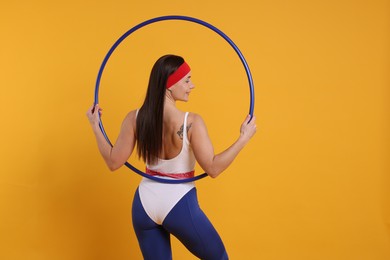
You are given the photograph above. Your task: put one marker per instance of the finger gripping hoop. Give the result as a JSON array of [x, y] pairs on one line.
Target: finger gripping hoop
[[159, 19]]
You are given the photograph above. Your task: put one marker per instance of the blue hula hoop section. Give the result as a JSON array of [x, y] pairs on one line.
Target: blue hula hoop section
[[154, 20]]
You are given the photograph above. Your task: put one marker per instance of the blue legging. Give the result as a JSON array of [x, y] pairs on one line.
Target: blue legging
[[186, 221]]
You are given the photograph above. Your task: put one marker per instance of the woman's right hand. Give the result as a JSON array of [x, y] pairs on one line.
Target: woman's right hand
[[247, 130], [93, 114]]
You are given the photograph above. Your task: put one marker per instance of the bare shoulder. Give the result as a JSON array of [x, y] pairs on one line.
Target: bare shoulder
[[196, 125], [195, 119]]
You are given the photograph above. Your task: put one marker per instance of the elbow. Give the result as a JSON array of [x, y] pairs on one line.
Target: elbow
[[213, 173], [113, 166]]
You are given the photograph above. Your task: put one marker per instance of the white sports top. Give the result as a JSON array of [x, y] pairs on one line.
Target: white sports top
[[159, 198]]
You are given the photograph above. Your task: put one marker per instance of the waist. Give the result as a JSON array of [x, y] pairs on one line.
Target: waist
[[181, 175]]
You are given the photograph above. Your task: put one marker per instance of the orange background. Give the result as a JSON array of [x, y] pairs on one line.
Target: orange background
[[313, 183]]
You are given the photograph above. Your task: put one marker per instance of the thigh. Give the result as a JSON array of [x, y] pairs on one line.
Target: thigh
[[190, 225], [153, 239]]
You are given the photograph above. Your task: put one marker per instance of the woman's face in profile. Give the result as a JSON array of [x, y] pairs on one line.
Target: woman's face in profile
[[182, 89]]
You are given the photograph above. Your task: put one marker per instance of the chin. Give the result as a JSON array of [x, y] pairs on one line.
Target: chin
[[185, 99]]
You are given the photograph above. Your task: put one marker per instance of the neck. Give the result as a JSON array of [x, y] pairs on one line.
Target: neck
[[169, 100]]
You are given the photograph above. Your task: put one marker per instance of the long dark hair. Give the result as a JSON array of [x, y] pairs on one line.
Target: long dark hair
[[150, 116]]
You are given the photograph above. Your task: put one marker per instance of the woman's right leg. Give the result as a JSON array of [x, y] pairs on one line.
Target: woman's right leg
[[190, 225], [153, 240]]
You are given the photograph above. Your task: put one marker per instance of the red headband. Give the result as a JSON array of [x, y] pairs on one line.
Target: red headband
[[183, 70]]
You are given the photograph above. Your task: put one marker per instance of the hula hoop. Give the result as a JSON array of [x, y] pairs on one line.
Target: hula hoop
[[158, 19]]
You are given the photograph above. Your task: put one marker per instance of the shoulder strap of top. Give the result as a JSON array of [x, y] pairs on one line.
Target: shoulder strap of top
[[185, 126]]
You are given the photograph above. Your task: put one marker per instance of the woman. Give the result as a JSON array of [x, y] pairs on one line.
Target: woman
[[170, 141]]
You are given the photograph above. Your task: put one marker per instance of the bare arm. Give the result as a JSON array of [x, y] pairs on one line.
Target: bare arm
[[204, 151], [117, 155]]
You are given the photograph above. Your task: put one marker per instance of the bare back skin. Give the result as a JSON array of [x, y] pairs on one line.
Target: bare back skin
[[173, 127]]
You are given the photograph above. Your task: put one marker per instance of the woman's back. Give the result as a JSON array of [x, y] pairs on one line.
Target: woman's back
[[177, 155], [172, 134]]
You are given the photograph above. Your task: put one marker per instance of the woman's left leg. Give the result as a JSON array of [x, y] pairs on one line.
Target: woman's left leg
[[153, 239]]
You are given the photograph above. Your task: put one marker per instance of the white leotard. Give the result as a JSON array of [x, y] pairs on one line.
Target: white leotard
[[159, 198]]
